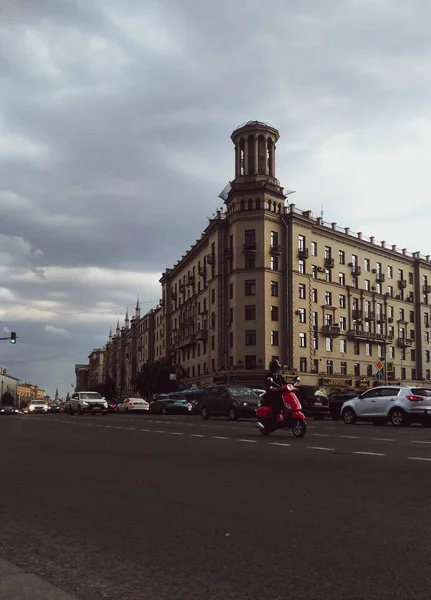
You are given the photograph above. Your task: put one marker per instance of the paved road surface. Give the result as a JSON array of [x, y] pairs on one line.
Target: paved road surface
[[144, 507]]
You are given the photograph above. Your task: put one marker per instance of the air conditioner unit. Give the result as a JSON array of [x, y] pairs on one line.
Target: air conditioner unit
[[350, 265], [374, 271], [297, 312], [373, 288], [390, 320]]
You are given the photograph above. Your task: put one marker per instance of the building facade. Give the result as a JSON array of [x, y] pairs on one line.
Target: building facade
[[26, 392], [96, 368], [267, 280], [81, 376], [8, 384]]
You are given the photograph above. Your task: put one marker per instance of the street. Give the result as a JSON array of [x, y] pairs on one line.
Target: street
[[138, 507]]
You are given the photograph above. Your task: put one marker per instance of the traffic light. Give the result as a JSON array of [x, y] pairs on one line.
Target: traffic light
[[12, 337]]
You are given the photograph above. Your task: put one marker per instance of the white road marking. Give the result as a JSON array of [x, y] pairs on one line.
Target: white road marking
[[196, 435], [279, 444], [349, 437], [176, 433], [157, 431], [419, 442], [247, 441], [418, 458], [146, 430], [321, 434], [383, 439], [320, 448], [219, 437], [370, 453]]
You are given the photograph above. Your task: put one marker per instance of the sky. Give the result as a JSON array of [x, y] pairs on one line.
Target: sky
[[115, 124]]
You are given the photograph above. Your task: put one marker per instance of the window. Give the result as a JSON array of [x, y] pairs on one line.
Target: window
[[401, 314], [250, 312], [274, 263], [367, 264], [274, 338], [400, 274], [379, 288], [369, 370], [274, 313], [357, 369], [356, 349], [274, 289], [213, 296], [303, 364], [391, 352], [315, 320], [343, 369], [342, 299], [249, 262], [411, 278], [328, 275], [230, 291], [341, 279], [213, 342], [274, 239], [250, 239], [379, 268], [329, 367], [213, 320], [315, 342], [355, 260], [250, 361], [230, 316], [368, 351], [341, 257], [315, 295], [343, 346], [328, 298], [390, 272], [302, 340], [301, 242], [412, 316], [390, 291], [367, 283], [427, 337], [328, 252], [328, 319], [231, 339], [313, 249], [302, 315], [301, 266], [427, 374], [329, 344], [250, 287], [343, 323], [302, 291], [250, 337], [414, 374]]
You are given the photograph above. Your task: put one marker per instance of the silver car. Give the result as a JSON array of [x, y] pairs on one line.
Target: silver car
[[401, 405]]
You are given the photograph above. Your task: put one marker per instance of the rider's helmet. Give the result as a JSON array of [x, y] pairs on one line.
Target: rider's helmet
[[275, 366]]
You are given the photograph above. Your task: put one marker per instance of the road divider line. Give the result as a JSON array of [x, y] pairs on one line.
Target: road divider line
[[350, 437], [279, 444], [321, 434], [320, 448], [157, 431], [145, 430], [176, 433], [370, 453], [383, 439], [247, 441], [197, 435], [418, 458], [419, 442], [219, 437]]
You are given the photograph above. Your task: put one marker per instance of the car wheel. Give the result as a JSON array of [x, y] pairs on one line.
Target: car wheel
[[349, 416], [232, 414], [398, 417], [205, 413]]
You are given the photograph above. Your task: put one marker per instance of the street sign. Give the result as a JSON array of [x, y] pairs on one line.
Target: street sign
[[390, 367], [379, 365], [379, 376]]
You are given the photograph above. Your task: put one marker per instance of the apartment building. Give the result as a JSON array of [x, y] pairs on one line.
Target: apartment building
[[266, 280]]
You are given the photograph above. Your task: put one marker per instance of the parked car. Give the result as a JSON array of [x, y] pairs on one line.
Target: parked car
[[336, 401], [314, 401], [53, 408], [5, 409], [87, 402], [401, 405], [233, 401], [195, 399], [171, 404], [133, 405]]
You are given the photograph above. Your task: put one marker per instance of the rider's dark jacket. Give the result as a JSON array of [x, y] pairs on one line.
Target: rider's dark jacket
[[274, 398]]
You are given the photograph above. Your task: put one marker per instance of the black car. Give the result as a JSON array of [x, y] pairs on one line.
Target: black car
[[172, 404], [53, 408], [8, 410], [336, 401], [233, 401]]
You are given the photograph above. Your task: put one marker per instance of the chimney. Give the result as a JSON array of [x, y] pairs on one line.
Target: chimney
[[334, 226], [372, 239], [383, 244], [347, 230], [394, 247], [359, 235]]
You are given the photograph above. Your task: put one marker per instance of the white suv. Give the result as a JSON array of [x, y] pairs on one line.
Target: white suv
[[401, 405], [87, 402]]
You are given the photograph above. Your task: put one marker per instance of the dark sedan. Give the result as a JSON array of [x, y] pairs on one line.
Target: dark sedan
[[171, 404], [233, 401], [8, 410]]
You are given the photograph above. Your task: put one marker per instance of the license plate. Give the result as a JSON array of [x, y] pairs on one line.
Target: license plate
[[317, 404]]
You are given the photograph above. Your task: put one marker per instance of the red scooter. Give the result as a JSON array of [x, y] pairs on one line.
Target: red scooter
[[291, 418]]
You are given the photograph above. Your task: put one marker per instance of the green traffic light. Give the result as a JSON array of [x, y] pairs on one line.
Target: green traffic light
[[13, 341], [13, 337]]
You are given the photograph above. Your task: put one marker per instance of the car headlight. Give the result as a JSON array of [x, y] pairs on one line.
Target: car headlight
[[85, 404], [245, 403]]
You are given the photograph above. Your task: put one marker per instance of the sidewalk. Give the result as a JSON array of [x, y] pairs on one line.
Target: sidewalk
[[15, 584]]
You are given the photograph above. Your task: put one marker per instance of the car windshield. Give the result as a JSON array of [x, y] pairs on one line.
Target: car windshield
[[421, 392], [37, 402], [242, 392], [91, 396]]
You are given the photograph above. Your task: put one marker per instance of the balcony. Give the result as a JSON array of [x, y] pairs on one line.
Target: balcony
[[329, 262], [191, 280], [275, 249], [228, 252], [427, 289], [187, 340], [202, 334], [381, 318], [356, 314], [249, 248], [303, 253], [402, 284], [211, 259], [403, 342], [368, 336], [380, 277], [369, 316], [331, 330], [202, 272], [356, 271]]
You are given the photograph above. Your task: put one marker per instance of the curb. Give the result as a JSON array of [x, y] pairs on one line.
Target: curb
[[15, 584]]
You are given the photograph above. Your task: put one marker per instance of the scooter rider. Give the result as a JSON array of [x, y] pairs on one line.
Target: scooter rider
[[273, 381]]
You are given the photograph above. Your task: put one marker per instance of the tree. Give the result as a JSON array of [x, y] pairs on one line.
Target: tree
[[106, 389], [155, 378], [7, 399]]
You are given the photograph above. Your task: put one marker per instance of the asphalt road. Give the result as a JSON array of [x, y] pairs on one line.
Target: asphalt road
[[144, 507]]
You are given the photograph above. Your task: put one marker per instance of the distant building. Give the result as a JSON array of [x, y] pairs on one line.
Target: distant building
[[95, 371], [8, 384], [81, 374]]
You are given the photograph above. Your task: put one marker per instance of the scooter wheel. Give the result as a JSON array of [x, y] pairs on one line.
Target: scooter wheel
[[299, 429]]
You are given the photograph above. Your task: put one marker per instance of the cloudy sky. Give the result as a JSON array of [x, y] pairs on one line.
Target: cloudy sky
[[115, 117]]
